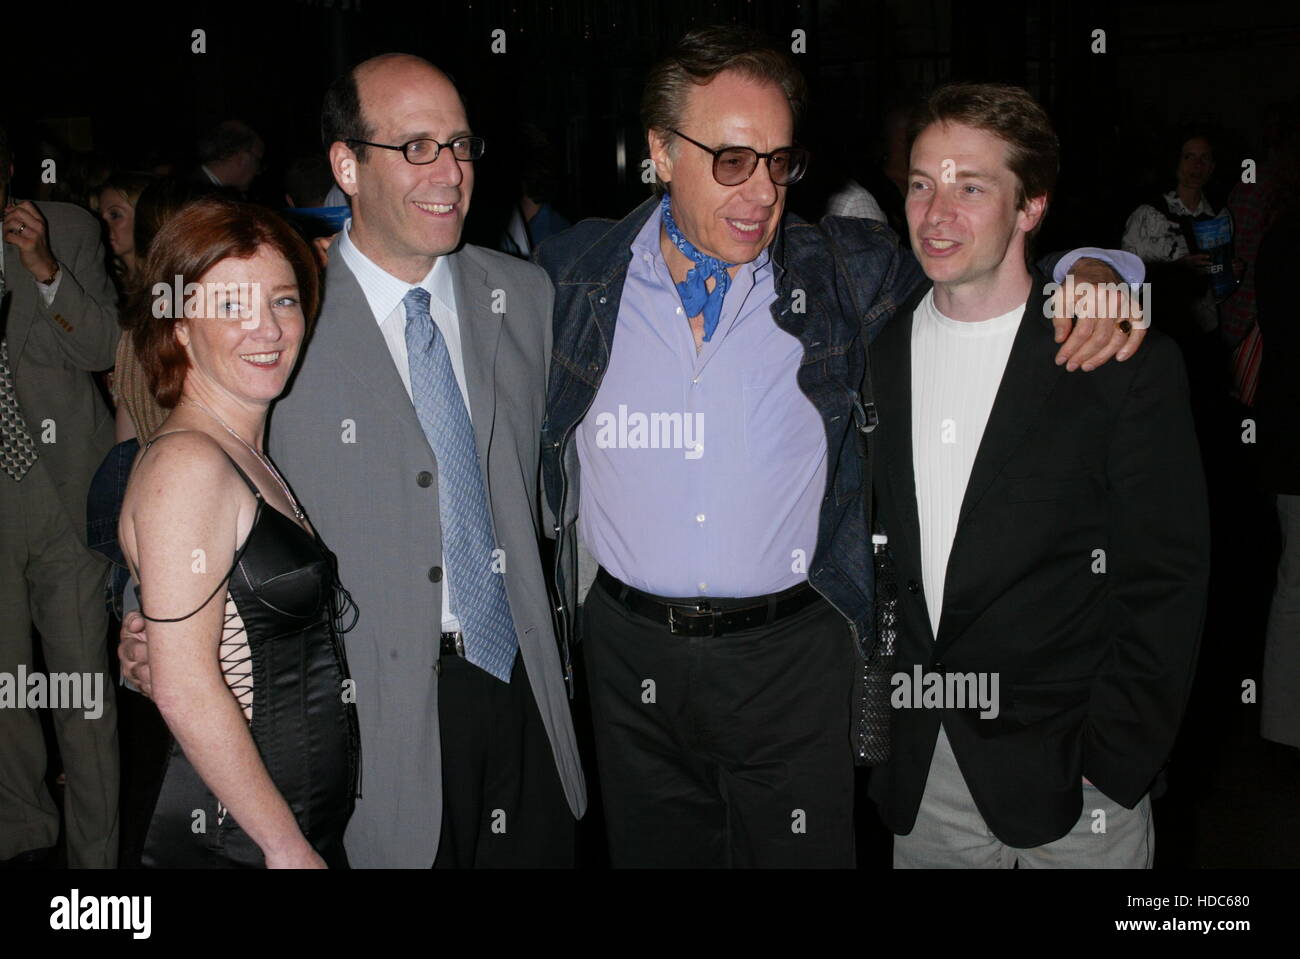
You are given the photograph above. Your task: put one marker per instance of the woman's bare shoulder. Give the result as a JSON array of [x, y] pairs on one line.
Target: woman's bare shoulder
[[182, 473]]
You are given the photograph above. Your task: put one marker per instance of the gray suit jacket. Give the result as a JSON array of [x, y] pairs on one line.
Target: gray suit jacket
[[53, 350], [349, 442]]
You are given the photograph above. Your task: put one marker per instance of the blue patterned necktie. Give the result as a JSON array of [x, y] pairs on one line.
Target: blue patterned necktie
[[478, 593]]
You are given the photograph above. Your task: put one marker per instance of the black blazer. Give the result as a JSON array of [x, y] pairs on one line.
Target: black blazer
[[1094, 667]]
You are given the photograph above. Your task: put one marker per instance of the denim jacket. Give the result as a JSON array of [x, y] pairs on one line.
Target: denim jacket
[[835, 282]]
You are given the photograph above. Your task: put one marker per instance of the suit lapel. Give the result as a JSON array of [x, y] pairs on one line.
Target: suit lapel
[[20, 307], [349, 333], [894, 388], [1029, 377], [480, 333]]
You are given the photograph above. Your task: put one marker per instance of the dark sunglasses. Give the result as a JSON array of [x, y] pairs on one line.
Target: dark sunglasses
[[734, 165]]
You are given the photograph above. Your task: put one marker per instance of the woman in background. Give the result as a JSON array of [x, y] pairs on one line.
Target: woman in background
[[1161, 232], [115, 203], [138, 413]]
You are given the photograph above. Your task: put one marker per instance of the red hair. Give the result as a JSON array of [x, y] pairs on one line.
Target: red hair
[[200, 235]]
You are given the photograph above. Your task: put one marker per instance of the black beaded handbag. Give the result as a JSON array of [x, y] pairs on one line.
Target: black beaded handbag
[[871, 685]]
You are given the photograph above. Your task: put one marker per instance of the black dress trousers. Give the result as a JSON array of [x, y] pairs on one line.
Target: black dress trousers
[[722, 751], [503, 805]]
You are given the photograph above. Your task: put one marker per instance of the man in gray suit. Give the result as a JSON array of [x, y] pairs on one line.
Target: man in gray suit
[[459, 687], [58, 323]]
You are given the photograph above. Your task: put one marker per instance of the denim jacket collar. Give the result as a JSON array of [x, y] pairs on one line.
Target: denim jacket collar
[[605, 259]]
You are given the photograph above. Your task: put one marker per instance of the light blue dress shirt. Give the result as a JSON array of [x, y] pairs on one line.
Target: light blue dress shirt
[[702, 473]]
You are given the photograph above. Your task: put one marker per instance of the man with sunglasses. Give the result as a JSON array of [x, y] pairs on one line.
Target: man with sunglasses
[[705, 389], [412, 427]]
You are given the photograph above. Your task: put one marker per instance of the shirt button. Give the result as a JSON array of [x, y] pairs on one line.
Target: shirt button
[[699, 517], [435, 574], [425, 478], [913, 586], [602, 299], [679, 310]]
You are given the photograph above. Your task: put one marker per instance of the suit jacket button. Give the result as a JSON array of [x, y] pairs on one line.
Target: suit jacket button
[[913, 586], [425, 479], [435, 574]]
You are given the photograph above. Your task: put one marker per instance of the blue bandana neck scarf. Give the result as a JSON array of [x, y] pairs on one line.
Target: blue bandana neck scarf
[[695, 295]]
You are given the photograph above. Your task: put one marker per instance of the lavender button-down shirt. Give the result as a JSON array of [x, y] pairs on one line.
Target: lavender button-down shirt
[[702, 474]]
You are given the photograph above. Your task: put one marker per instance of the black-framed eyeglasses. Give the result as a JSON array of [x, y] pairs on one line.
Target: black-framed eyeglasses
[[734, 165], [426, 149]]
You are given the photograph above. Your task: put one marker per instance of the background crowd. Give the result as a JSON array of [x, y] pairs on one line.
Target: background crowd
[[1180, 115]]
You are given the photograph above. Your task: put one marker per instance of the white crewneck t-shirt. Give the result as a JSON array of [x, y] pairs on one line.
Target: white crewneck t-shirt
[[956, 370]]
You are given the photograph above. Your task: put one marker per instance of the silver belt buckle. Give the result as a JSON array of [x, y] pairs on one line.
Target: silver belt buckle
[[676, 625]]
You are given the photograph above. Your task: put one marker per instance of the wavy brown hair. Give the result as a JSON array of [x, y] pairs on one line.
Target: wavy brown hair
[[1012, 115]]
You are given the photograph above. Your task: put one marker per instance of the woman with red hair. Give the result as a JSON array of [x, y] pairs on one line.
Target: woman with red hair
[[263, 765]]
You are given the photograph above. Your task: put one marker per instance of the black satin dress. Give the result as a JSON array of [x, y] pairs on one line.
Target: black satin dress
[[284, 585]]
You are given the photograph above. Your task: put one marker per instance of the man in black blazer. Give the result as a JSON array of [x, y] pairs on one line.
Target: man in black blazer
[[1050, 531]]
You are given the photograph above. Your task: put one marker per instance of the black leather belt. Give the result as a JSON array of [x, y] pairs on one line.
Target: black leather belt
[[452, 644], [709, 617]]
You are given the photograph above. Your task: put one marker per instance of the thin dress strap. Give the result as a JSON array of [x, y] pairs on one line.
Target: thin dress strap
[[238, 553]]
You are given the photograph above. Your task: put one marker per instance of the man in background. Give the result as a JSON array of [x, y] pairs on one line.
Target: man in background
[[231, 156], [58, 324]]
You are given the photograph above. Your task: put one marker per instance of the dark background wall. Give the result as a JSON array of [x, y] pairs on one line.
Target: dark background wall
[[120, 86], [125, 84]]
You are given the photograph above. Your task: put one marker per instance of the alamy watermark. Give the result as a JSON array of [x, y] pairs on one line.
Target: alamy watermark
[[181, 300], [24, 690], [652, 431], [928, 690], [75, 912], [1121, 301]]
